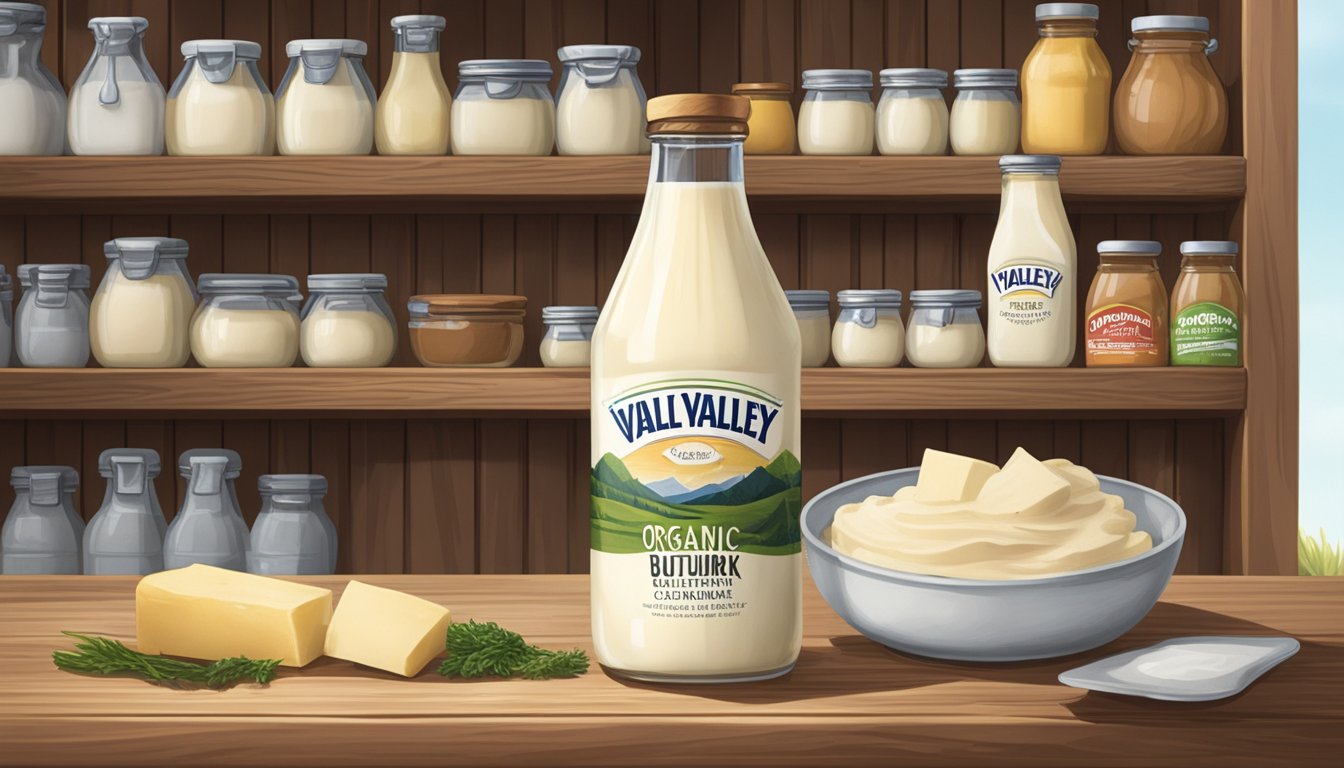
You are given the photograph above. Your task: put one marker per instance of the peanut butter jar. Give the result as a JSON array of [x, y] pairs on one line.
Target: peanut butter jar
[[467, 330]]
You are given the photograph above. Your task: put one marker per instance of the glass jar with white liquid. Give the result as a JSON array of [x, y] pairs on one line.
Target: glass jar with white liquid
[[600, 103], [912, 113], [812, 310], [246, 321], [51, 324], [944, 330], [325, 104], [986, 115], [219, 105], [503, 107], [569, 336], [836, 117], [116, 106], [413, 112], [347, 322], [141, 314], [869, 332], [32, 101]]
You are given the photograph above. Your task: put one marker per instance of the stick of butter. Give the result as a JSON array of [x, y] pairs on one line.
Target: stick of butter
[[386, 629], [203, 612]]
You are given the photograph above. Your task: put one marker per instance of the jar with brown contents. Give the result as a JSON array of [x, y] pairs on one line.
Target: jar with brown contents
[[1170, 101], [1207, 305], [467, 330], [1127, 307]]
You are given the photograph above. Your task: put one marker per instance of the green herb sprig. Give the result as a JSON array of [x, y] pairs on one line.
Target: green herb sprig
[[487, 649], [104, 656]]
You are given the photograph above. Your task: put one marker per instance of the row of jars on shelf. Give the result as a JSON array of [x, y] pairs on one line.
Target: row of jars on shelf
[[129, 535]]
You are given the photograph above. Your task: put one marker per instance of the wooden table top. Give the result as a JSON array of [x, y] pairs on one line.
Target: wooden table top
[[848, 701]]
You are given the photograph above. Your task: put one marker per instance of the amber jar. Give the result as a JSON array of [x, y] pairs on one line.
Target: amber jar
[[1126, 317], [771, 129], [1066, 84], [467, 330], [1170, 101]]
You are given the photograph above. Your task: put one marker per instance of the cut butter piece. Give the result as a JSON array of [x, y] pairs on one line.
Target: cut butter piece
[[203, 612], [946, 477], [386, 629], [1024, 487]]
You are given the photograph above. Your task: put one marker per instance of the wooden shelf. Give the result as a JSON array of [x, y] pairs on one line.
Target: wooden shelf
[[253, 392], [30, 181]]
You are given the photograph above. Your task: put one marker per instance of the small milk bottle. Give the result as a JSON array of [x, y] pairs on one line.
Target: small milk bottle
[[696, 368], [412, 116], [293, 535], [205, 530], [42, 533], [125, 537], [1033, 269]]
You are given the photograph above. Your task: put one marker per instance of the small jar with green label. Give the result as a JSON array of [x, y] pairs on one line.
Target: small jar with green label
[[1207, 305]]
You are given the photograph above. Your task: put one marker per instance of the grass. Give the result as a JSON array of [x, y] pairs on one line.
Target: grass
[[1318, 557]]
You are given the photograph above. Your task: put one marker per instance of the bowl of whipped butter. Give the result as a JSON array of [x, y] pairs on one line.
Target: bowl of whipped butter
[[961, 559]]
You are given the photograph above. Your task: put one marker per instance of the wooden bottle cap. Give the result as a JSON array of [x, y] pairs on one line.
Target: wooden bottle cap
[[702, 113], [753, 89]]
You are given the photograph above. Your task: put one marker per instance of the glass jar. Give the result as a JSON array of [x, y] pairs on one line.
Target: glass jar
[[293, 535], [771, 129], [837, 114], [206, 529], [869, 332], [944, 330], [912, 113], [141, 315], [600, 103], [43, 533], [986, 115], [347, 322], [32, 101], [116, 105], [412, 116], [812, 310], [1066, 84], [51, 325], [233, 469], [467, 330], [1207, 306], [569, 336], [1170, 100], [325, 103], [6, 317], [125, 536], [246, 321], [503, 107], [1126, 307], [219, 105]]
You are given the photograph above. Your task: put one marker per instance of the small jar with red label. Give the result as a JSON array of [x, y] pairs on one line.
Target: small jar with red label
[[1126, 318]]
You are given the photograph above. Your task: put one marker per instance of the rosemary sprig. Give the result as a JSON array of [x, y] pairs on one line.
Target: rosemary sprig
[[487, 649], [104, 656]]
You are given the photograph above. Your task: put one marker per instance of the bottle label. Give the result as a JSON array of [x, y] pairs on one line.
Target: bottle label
[[1024, 293], [1206, 334], [1121, 330]]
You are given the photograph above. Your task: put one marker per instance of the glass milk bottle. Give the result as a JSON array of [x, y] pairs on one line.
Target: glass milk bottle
[[32, 101], [125, 537], [42, 533], [413, 112], [205, 530], [1033, 269], [696, 369], [233, 469], [116, 106], [293, 535]]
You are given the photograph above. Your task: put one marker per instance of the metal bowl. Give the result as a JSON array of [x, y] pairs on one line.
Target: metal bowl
[[990, 621]]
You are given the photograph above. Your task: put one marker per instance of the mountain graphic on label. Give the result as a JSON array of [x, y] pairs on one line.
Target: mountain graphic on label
[[693, 454]]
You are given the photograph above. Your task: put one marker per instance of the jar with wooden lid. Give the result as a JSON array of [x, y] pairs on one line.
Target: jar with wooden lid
[[1170, 100], [1066, 84], [467, 330], [770, 129], [1207, 305], [1126, 310]]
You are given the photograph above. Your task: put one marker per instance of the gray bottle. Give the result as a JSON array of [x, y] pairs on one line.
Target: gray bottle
[[206, 528], [125, 537], [43, 532], [293, 535], [233, 468]]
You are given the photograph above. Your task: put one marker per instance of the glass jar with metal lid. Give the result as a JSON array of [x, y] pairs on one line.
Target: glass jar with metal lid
[[125, 536], [412, 116], [233, 469], [206, 528], [771, 129], [869, 332], [293, 535], [944, 330], [1207, 306], [219, 105], [1066, 84], [812, 310], [1126, 311], [32, 101], [246, 321], [51, 324], [141, 314], [1170, 100], [325, 103], [6, 317], [503, 107], [43, 533], [467, 330], [347, 322], [116, 105], [569, 336], [912, 113], [986, 115], [600, 103], [836, 117]]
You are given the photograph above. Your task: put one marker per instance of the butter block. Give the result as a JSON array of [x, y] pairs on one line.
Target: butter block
[[386, 629], [946, 477], [1025, 486], [203, 612]]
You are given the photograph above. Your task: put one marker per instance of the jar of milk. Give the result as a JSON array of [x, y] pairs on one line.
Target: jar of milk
[[912, 113], [117, 104], [869, 332], [600, 104], [325, 104], [125, 537], [812, 310], [413, 113], [6, 317], [32, 101], [141, 314], [233, 469], [246, 321], [205, 530], [347, 322], [569, 336], [836, 117], [944, 330], [42, 534], [293, 535], [503, 107], [219, 105], [51, 324], [986, 115]]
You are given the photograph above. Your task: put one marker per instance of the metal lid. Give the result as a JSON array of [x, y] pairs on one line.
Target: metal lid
[[625, 54], [233, 462], [282, 286], [1130, 247], [944, 299], [347, 282], [985, 78], [1029, 164], [149, 456], [913, 77], [878, 298], [346, 47], [162, 247], [752, 89], [474, 303], [19, 477], [809, 299], [1047, 11], [244, 50], [419, 21], [80, 274], [1169, 24], [524, 70], [269, 484], [15, 15], [837, 80], [102, 24], [1209, 248], [569, 315]]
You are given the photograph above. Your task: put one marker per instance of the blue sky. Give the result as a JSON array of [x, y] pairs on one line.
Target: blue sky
[[1321, 96]]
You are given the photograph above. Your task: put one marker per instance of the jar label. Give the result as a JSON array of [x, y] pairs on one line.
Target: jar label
[[1024, 294], [1120, 330], [1206, 334]]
